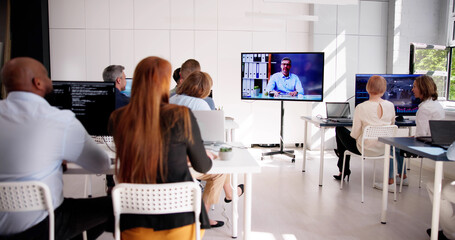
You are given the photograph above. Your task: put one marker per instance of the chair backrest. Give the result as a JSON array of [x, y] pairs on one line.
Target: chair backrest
[[27, 196], [162, 198], [374, 132]]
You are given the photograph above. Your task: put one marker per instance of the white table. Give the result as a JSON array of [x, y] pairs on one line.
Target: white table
[[424, 150], [323, 125], [241, 163]]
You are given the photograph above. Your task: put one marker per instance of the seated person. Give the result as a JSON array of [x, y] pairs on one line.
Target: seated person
[[35, 138], [424, 89], [284, 82], [187, 68], [191, 94], [155, 141], [376, 111]]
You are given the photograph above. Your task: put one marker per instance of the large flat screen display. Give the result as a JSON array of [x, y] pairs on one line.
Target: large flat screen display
[[399, 92], [91, 102], [296, 76]]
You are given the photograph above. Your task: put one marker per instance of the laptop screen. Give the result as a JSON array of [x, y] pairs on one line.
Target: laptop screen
[[338, 110], [442, 132], [211, 125]]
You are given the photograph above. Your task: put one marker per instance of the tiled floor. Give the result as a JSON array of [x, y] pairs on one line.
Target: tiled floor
[[289, 204]]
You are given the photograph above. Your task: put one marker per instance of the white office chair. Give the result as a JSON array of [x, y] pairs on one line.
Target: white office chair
[[27, 196], [162, 198], [371, 133]]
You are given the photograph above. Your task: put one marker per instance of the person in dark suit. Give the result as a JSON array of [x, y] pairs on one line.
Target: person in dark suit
[[115, 73]]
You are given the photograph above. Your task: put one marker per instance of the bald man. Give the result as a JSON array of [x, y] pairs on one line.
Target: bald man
[[34, 140]]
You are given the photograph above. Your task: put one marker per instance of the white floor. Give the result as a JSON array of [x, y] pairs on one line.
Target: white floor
[[288, 204]]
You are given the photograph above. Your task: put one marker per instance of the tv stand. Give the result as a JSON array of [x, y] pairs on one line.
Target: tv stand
[[289, 153]]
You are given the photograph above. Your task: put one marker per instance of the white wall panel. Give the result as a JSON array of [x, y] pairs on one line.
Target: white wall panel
[[206, 14], [372, 54], [182, 14], [66, 14], [346, 62], [152, 14], [230, 45], [348, 19], [67, 54], [181, 47], [122, 50], [232, 15], [151, 43], [97, 52], [121, 14], [373, 18], [327, 23], [267, 42], [205, 51], [296, 42], [97, 14]]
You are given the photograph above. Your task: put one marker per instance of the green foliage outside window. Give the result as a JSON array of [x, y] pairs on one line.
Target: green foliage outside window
[[452, 78], [434, 60]]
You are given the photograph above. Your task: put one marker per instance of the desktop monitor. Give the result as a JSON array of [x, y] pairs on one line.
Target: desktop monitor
[[399, 92], [129, 83], [91, 102], [264, 77]]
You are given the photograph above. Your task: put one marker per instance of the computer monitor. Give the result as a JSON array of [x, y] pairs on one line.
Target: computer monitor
[[92, 102], [129, 83], [260, 71], [399, 92]]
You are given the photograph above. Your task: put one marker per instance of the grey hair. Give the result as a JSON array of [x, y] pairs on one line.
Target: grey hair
[[112, 72]]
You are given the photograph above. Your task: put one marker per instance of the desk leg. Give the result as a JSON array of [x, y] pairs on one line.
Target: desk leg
[[436, 199], [247, 207], [321, 158], [305, 146], [385, 184], [235, 205]]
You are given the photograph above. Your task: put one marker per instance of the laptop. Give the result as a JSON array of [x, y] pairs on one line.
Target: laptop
[[338, 111], [442, 133], [211, 125]]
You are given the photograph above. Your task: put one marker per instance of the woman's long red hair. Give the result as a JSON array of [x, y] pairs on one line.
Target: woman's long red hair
[[141, 129]]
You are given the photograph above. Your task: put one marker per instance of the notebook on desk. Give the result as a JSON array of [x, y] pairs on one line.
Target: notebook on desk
[[211, 125], [338, 111], [442, 133]]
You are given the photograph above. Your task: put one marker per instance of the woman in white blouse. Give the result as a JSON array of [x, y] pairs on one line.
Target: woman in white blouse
[[376, 111], [424, 89]]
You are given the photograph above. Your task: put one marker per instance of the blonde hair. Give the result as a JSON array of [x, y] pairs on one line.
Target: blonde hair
[[376, 85], [198, 84], [427, 87], [141, 129]]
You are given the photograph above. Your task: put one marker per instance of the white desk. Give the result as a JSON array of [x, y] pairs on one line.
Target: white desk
[[323, 125], [427, 151], [241, 163]]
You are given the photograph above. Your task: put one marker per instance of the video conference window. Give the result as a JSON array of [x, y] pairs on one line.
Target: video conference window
[[283, 76], [91, 102]]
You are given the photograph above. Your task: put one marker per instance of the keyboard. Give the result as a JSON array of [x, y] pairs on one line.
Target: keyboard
[[103, 139]]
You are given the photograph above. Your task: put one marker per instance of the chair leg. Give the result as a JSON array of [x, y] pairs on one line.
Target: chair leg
[[342, 170], [420, 177], [363, 180], [394, 174], [374, 171], [402, 174]]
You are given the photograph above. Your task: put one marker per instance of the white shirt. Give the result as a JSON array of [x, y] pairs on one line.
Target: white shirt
[[428, 110], [193, 103], [366, 114], [34, 140]]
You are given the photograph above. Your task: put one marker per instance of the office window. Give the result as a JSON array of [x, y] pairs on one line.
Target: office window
[[451, 94], [431, 60]]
